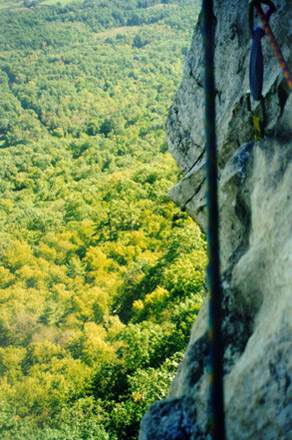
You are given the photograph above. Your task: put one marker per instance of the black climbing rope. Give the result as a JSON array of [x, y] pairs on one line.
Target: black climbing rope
[[216, 419]]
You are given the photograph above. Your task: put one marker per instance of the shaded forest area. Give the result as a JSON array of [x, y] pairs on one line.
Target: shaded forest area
[[101, 276]]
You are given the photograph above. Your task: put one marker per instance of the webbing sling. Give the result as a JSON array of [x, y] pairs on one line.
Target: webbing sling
[[264, 18]]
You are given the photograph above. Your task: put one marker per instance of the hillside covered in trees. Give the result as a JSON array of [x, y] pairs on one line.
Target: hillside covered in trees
[[101, 276]]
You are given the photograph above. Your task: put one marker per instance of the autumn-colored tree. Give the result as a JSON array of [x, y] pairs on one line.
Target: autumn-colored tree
[[101, 276]]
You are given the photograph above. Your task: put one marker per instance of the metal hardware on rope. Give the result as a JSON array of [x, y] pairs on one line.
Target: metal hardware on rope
[[216, 420], [264, 18], [252, 4]]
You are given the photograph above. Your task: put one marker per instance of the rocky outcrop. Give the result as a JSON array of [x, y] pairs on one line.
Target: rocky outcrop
[[255, 197]]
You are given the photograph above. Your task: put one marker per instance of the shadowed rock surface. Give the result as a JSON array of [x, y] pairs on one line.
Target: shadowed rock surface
[[255, 196]]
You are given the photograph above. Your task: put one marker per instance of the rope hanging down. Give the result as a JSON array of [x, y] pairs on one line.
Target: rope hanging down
[[217, 424]]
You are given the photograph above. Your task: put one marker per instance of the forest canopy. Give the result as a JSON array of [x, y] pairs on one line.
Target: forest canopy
[[101, 276]]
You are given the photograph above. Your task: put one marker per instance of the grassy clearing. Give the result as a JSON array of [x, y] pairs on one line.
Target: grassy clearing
[[163, 5], [13, 4], [17, 4], [4, 4], [54, 2]]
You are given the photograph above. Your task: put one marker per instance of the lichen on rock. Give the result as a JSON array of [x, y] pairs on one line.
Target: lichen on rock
[[255, 201]]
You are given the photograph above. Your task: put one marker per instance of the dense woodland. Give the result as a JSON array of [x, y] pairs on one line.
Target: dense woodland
[[101, 276]]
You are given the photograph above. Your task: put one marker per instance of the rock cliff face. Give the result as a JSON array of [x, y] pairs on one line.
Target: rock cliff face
[[255, 192]]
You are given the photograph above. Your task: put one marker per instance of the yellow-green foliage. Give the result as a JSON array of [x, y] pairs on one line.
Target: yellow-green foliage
[[101, 276]]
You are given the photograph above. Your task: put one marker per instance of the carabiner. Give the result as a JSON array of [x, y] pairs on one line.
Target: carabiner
[[254, 3]]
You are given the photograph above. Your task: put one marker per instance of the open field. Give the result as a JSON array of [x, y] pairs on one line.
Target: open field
[[16, 4], [9, 4], [54, 2], [163, 5]]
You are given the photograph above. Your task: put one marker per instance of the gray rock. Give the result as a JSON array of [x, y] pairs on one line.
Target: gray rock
[[255, 198], [169, 420]]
